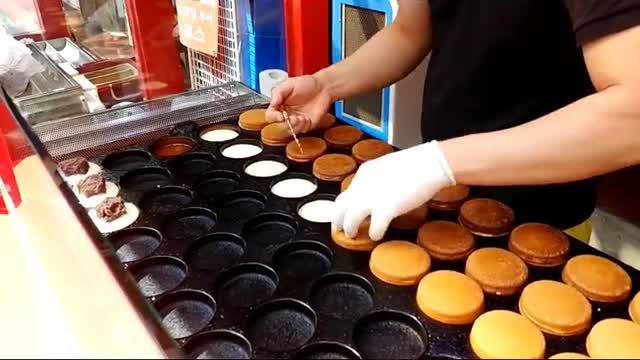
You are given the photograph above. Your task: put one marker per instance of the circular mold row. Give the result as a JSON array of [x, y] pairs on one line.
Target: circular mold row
[[270, 229], [192, 164], [302, 260], [189, 223], [185, 312], [281, 325], [145, 179], [165, 200], [213, 185], [326, 350], [215, 252], [390, 334], [126, 160], [158, 274], [239, 206], [218, 344], [246, 285], [342, 296], [134, 244]]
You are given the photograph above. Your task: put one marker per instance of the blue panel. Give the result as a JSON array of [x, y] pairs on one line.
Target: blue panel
[[261, 28], [336, 56]]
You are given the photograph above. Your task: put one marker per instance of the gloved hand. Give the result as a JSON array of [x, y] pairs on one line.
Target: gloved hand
[[390, 186], [17, 66], [306, 100]]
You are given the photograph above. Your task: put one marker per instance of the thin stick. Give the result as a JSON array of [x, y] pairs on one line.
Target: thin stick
[[295, 138]]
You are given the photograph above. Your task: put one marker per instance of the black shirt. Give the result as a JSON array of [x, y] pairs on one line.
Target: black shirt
[[496, 64]]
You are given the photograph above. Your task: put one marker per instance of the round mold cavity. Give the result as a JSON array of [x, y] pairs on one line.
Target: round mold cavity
[[189, 223], [326, 350], [342, 296], [218, 344], [303, 260], [266, 166], [126, 160], [166, 200], [282, 325], [317, 208], [171, 147], [192, 164], [145, 179], [185, 312], [135, 244], [241, 205], [220, 133], [270, 229], [246, 285], [242, 149], [216, 184], [294, 186], [215, 252], [390, 335], [158, 274]]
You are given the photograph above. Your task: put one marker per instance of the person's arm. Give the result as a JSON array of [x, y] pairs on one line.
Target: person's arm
[[593, 136], [387, 57]]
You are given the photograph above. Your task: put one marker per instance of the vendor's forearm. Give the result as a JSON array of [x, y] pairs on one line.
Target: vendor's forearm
[[593, 136], [387, 57]]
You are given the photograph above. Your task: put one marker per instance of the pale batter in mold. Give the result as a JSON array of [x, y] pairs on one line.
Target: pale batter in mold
[[318, 211], [265, 168], [241, 151], [118, 224], [93, 201], [294, 188], [219, 135]]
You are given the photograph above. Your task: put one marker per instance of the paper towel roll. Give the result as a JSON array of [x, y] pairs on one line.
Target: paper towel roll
[[271, 78]]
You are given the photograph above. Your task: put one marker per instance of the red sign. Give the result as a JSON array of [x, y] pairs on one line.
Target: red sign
[[198, 25]]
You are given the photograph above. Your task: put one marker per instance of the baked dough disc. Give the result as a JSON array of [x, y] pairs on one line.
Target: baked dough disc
[[93, 201], [502, 334], [634, 308], [450, 297], [293, 188], [318, 211], [241, 151], [75, 179], [569, 355], [219, 135], [265, 168], [614, 339], [118, 224]]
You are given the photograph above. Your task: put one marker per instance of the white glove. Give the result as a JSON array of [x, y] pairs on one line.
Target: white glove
[[17, 66], [390, 186]]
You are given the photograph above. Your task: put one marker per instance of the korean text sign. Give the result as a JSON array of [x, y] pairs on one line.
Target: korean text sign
[[198, 24]]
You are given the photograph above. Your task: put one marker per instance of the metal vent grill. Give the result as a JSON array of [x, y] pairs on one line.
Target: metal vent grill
[[95, 134], [359, 26], [206, 70]]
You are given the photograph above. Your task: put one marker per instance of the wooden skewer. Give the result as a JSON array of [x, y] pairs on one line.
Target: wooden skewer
[[295, 138]]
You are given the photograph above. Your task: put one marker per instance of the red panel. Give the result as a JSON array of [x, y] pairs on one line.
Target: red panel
[[7, 161], [52, 20], [307, 30], [152, 23]]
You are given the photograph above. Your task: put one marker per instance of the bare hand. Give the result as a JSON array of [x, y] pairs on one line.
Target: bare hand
[[304, 98]]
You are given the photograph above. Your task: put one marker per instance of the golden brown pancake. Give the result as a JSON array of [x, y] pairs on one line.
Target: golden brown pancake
[[312, 148], [502, 334], [342, 136], [362, 241], [253, 120], [411, 220], [486, 217], [399, 263], [599, 279], [498, 271], [614, 339], [333, 167], [569, 355], [539, 244], [450, 297], [366, 150], [344, 185], [276, 134], [445, 240], [450, 198], [555, 308], [634, 308]]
